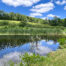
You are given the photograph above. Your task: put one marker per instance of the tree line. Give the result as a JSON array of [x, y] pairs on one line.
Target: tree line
[[18, 17]]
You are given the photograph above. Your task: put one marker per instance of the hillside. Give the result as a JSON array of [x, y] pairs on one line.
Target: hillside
[[18, 24], [10, 27]]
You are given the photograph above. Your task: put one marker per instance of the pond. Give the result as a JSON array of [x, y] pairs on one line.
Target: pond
[[11, 47]]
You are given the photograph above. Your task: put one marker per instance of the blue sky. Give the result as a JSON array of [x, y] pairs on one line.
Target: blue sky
[[35, 8]]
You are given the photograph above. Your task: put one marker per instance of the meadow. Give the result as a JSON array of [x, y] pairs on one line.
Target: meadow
[[11, 27]]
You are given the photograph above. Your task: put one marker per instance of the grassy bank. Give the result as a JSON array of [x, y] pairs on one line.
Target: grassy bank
[[8, 27], [57, 58]]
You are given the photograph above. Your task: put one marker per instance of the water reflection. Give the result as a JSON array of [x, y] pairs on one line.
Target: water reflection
[[11, 47], [41, 47], [16, 40]]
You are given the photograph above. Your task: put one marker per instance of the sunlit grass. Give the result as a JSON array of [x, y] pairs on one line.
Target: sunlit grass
[[13, 27], [57, 58], [11, 21]]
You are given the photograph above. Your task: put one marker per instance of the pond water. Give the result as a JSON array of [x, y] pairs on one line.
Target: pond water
[[11, 47]]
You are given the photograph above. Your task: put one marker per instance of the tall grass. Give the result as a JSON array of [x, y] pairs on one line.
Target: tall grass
[[29, 30], [11, 27]]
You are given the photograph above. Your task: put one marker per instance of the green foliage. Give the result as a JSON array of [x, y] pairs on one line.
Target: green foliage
[[65, 22], [21, 64], [3, 23], [12, 25], [62, 42], [55, 21], [29, 59], [11, 63], [15, 29], [23, 24], [18, 17]]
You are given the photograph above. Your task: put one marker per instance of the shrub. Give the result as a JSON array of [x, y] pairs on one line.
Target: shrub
[[30, 59], [62, 42], [22, 24], [27, 60]]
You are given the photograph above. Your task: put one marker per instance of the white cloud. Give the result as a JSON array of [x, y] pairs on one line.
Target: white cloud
[[61, 3], [42, 50], [43, 8], [35, 14], [65, 8], [16, 3], [14, 56], [50, 42], [51, 15], [45, 18]]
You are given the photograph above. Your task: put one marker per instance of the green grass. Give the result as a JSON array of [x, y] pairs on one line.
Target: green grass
[[10, 21], [57, 58], [8, 27], [29, 30]]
